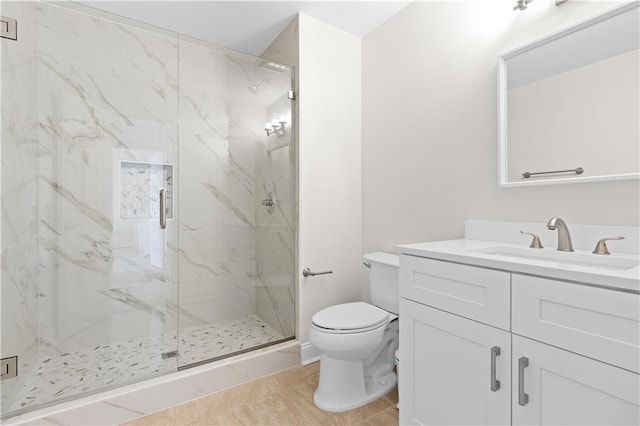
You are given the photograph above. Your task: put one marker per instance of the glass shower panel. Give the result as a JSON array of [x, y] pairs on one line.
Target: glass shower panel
[[95, 144], [19, 118], [90, 149], [236, 208]]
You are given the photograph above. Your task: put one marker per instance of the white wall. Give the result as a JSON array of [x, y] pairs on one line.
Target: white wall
[[284, 48], [329, 102], [429, 126]]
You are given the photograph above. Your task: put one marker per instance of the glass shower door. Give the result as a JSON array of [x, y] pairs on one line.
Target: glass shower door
[[104, 146], [236, 257]]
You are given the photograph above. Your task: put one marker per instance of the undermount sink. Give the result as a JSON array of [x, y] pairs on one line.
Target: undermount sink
[[566, 258]]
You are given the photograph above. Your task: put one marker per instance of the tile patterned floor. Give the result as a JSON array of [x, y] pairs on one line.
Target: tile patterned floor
[[68, 374], [284, 398]]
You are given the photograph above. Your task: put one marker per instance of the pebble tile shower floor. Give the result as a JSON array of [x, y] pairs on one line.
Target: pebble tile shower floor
[[74, 373]]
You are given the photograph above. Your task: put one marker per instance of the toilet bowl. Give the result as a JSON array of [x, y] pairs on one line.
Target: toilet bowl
[[357, 342]]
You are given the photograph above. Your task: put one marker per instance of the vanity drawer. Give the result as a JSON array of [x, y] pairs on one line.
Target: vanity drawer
[[595, 322], [476, 293]]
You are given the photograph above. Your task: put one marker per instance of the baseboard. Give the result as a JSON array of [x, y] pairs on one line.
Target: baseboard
[[308, 353]]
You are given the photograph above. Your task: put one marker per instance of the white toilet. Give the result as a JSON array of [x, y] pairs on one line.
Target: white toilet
[[357, 341]]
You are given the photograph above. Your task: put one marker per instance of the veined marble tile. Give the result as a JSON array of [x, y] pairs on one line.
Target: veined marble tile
[[275, 231], [217, 184], [128, 71], [203, 78], [275, 299], [107, 94], [20, 150]]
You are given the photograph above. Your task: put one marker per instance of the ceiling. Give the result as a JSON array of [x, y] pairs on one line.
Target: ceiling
[[250, 26]]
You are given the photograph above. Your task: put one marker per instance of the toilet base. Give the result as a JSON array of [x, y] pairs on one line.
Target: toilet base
[[334, 396]]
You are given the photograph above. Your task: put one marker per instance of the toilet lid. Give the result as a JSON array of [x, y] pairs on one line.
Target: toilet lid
[[351, 316]]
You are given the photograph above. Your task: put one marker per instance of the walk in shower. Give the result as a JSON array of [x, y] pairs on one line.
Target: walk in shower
[[147, 210]]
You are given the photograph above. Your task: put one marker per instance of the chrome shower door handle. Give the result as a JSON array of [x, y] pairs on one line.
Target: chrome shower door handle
[[495, 384], [523, 398], [163, 208]]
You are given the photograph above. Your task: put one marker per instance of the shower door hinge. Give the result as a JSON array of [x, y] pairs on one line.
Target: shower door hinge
[[8, 28], [291, 95], [9, 367]]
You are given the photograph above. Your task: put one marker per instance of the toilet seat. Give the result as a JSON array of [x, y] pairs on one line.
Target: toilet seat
[[356, 317]]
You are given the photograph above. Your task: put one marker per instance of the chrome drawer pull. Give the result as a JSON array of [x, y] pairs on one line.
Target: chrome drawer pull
[[523, 398], [495, 384]]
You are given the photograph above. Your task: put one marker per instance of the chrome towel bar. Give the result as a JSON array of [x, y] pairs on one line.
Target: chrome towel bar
[[306, 272], [577, 171]]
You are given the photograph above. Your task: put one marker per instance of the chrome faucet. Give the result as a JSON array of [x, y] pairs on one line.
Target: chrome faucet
[[564, 239]]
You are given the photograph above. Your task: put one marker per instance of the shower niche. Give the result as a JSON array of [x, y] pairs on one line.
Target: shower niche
[[140, 185]]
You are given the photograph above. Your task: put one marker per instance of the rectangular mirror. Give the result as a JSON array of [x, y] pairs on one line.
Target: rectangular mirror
[[569, 104]]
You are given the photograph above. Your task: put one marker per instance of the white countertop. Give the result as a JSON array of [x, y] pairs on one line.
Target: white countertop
[[466, 251]]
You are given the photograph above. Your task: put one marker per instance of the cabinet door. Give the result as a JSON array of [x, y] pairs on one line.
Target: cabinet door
[[564, 388], [445, 369]]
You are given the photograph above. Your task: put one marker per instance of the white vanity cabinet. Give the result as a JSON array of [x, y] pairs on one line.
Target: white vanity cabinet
[[563, 388], [593, 378], [451, 364], [446, 374], [568, 353]]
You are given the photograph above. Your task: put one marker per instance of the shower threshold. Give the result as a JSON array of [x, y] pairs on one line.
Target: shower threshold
[[66, 376]]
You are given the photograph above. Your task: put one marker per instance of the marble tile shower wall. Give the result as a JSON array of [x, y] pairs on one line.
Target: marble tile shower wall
[[224, 101], [107, 95], [80, 95], [275, 231], [20, 151], [216, 186]]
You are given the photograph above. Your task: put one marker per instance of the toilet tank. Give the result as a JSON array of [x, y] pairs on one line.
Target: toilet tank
[[383, 280]]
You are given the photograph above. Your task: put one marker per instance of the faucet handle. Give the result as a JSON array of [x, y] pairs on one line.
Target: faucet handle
[[601, 247], [535, 242]]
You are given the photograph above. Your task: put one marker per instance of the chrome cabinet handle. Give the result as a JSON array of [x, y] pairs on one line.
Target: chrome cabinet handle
[[495, 384], [523, 398], [306, 272], [163, 208]]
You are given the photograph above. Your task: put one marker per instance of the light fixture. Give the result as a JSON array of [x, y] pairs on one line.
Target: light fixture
[[276, 126], [521, 4], [274, 66]]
